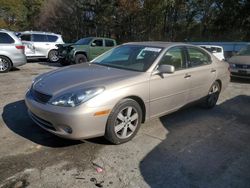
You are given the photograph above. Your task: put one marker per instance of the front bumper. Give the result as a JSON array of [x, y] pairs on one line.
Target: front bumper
[[72, 123]]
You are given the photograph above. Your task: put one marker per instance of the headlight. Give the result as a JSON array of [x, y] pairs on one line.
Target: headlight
[[76, 98]]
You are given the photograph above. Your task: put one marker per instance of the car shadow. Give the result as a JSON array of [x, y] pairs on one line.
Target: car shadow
[[204, 148], [16, 118], [50, 64]]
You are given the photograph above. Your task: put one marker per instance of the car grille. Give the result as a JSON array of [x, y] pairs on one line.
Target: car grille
[[40, 97], [240, 66]]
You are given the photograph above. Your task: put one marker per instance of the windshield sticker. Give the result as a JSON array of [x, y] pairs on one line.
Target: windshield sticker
[[152, 49]]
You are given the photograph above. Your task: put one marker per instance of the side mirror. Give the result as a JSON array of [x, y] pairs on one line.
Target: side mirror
[[166, 69], [93, 44]]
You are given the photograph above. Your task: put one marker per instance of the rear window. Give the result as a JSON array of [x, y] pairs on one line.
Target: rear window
[[39, 38], [26, 37], [6, 39], [109, 43], [52, 38]]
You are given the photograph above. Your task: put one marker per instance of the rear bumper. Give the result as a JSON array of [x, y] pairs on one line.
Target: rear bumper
[[19, 60]]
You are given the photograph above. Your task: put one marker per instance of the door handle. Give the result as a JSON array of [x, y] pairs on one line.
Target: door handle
[[47, 44], [213, 71], [187, 76]]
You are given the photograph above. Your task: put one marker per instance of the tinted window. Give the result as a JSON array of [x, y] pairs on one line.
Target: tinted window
[[39, 38], [98, 42], [109, 43], [52, 38], [174, 57], [198, 57], [26, 37], [6, 39]]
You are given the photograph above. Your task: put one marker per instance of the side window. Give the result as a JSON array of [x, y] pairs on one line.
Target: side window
[[97, 42], [174, 57], [52, 38], [198, 57], [6, 39], [109, 43], [39, 38], [25, 37]]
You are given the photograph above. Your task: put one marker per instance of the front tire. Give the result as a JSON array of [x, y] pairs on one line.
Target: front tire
[[80, 58], [53, 56], [124, 122], [213, 95], [5, 64]]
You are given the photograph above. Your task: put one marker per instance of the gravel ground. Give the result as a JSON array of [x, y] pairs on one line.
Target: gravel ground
[[190, 148]]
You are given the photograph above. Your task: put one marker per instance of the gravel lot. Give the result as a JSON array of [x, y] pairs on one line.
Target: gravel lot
[[190, 148]]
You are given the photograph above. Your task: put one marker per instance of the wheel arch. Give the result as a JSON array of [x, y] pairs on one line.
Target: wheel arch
[[81, 52], [220, 82], [141, 103]]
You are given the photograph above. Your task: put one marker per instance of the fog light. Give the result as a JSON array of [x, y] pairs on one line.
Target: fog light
[[68, 130]]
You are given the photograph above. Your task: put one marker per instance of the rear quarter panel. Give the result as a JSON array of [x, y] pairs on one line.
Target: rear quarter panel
[[223, 73]]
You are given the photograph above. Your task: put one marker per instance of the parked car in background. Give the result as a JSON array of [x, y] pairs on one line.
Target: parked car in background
[[11, 51], [84, 50], [117, 91], [217, 51], [39, 45], [240, 63]]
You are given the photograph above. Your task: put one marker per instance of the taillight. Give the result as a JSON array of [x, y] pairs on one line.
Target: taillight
[[21, 48]]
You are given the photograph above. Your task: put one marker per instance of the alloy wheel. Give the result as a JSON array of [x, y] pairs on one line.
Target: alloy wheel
[[214, 94], [126, 122], [4, 65]]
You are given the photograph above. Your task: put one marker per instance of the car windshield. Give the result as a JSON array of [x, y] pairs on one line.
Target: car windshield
[[244, 51], [84, 41], [129, 57]]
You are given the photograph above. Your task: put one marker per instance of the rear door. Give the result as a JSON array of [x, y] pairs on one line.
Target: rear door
[[41, 45], [109, 44], [202, 72], [169, 92], [29, 46]]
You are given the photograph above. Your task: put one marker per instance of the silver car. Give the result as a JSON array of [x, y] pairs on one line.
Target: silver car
[[11, 51], [240, 63], [126, 86], [40, 45]]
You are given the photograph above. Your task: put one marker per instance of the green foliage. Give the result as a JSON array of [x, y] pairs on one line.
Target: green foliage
[[126, 20]]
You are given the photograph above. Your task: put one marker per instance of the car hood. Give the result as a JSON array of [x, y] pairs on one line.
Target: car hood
[[245, 60], [79, 77]]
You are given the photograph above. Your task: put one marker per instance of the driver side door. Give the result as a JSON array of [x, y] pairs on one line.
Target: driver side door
[[169, 92]]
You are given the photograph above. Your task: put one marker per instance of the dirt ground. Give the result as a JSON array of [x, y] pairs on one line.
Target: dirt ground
[[190, 148]]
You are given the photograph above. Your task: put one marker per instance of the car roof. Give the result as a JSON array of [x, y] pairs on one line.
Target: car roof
[[39, 32], [159, 44]]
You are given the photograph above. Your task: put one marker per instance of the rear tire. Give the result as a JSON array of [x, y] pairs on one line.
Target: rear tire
[[213, 95], [5, 64], [80, 58], [53, 56], [124, 122]]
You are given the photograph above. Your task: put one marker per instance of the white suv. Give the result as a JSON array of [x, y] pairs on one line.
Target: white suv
[[40, 45], [11, 51], [217, 51]]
